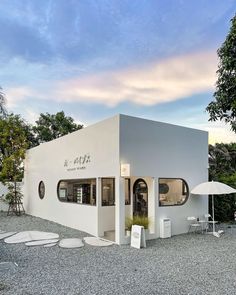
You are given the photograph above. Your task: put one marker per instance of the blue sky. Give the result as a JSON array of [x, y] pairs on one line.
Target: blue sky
[[93, 59]]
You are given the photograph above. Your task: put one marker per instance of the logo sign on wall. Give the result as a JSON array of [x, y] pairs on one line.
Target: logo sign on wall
[[125, 170], [78, 163], [138, 239]]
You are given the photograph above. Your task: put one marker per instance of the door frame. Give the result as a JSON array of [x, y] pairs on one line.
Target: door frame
[[135, 195]]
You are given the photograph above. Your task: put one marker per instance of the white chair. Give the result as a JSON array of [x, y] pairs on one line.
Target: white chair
[[195, 225], [209, 220]]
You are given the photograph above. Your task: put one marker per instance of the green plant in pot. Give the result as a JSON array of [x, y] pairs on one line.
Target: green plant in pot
[[128, 223], [136, 220]]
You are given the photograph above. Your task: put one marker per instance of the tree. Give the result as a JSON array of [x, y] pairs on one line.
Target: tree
[[3, 111], [13, 145], [222, 162], [224, 106], [30, 135], [49, 127]]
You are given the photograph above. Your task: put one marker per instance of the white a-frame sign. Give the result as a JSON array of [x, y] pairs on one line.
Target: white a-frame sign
[[138, 239]]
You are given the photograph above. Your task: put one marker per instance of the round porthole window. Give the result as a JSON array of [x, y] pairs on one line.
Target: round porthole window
[[163, 188], [41, 190]]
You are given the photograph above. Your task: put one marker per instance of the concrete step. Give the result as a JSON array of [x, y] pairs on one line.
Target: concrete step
[[109, 235]]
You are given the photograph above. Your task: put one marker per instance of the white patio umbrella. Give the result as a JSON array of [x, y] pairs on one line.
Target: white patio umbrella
[[213, 188]]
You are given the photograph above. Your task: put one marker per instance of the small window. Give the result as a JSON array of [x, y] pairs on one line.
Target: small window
[[108, 191], [41, 190], [80, 191], [127, 191], [172, 191]]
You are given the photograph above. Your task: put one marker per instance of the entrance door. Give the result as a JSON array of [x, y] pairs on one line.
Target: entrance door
[[140, 191]]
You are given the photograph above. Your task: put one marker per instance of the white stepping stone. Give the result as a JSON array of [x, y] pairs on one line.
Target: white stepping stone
[[50, 245], [93, 241], [27, 236], [71, 243], [5, 267], [7, 234], [41, 242]]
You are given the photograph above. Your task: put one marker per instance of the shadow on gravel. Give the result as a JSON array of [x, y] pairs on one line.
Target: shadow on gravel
[[4, 287]]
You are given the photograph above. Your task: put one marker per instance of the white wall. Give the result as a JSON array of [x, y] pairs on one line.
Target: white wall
[[3, 192], [153, 150], [107, 219], [46, 163], [160, 150]]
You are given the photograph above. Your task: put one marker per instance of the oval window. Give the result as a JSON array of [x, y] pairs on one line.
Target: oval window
[[41, 189], [173, 191], [80, 191]]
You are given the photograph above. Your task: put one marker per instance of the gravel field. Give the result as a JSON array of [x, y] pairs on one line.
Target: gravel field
[[185, 264]]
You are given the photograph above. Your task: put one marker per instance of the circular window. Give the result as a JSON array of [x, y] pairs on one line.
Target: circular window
[[41, 190], [163, 188]]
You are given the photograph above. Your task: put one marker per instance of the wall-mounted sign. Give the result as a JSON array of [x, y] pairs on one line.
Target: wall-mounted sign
[[125, 170], [78, 163]]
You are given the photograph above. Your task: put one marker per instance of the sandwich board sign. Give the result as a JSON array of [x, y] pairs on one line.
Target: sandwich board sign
[[138, 239]]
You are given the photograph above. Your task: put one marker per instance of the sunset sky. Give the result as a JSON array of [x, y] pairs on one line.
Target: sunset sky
[[94, 59]]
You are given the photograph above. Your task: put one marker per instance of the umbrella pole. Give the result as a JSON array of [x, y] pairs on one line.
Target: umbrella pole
[[213, 213]]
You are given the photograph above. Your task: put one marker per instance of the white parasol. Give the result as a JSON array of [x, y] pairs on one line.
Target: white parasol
[[213, 188]]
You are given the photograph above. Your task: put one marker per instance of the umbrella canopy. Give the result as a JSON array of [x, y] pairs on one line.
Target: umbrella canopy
[[213, 188]]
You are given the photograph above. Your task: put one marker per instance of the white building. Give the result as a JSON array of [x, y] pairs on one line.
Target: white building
[[94, 178]]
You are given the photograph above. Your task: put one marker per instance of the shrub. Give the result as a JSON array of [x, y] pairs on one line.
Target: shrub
[[137, 220]]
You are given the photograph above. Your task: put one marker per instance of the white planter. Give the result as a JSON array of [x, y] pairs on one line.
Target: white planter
[[146, 233], [128, 233]]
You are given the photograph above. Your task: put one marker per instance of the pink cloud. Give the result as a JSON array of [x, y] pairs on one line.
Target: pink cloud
[[167, 80]]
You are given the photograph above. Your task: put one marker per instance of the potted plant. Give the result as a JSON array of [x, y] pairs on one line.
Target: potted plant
[[128, 226], [136, 220]]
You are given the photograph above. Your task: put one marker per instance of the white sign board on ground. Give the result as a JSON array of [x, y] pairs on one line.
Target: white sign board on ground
[[138, 239]]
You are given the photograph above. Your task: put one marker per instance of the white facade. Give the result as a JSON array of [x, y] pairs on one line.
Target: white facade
[[152, 150]]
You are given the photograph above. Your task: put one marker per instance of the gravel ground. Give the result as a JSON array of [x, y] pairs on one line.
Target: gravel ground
[[185, 264]]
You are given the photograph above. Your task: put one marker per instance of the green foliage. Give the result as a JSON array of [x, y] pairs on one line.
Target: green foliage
[[49, 127], [228, 179], [14, 193], [137, 220], [30, 135], [222, 161], [16, 136], [224, 106], [13, 144], [3, 111], [128, 223]]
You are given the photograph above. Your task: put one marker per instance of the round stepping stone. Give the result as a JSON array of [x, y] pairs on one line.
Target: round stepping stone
[[42, 242], [27, 236], [71, 243], [93, 241], [7, 234]]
